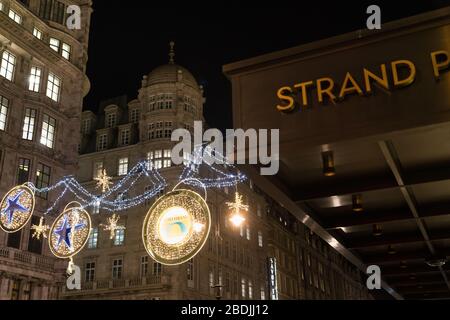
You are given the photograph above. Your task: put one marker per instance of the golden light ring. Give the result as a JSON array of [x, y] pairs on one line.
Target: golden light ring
[[183, 211], [81, 240], [23, 219]]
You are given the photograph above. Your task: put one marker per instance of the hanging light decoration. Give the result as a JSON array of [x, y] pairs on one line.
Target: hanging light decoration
[[357, 203], [236, 218], [328, 164], [16, 208], [377, 231]]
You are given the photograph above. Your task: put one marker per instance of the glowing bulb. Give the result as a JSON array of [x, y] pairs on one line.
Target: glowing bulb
[[198, 227], [237, 220]]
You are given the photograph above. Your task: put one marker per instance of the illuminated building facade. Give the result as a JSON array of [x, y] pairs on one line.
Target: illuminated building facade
[[42, 85]]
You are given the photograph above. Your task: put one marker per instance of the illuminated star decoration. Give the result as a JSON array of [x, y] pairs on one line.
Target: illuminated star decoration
[[40, 229], [112, 226], [13, 205], [237, 219], [66, 233], [103, 181]]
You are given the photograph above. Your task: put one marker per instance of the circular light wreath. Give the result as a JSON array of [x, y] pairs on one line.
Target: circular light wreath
[[176, 227], [70, 231], [16, 208]]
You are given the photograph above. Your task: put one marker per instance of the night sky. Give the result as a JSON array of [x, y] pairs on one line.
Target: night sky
[[130, 38]]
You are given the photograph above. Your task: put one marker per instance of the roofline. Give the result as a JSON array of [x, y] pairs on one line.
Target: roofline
[[342, 42]]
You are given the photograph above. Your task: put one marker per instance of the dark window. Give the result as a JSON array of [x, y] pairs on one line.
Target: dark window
[[14, 239], [26, 3], [23, 174], [52, 10], [42, 180], [45, 9], [34, 245]]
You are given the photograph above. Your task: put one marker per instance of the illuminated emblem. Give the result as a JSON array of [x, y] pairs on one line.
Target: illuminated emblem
[[16, 209], [176, 227], [70, 232]]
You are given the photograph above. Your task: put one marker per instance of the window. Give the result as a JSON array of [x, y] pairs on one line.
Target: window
[[117, 268], [123, 167], [260, 239], [1, 6], [26, 292], [86, 126], [66, 50], [144, 266], [54, 44], [167, 161], [48, 131], [4, 103], [29, 124], [8, 65], [34, 244], [89, 272], [211, 281], [93, 239], [102, 142], [42, 179], [111, 120], [37, 33], [134, 115], [157, 269], [15, 16], [53, 87], [14, 239], [23, 173], [125, 137], [250, 289], [243, 288], [263, 293], [96, 208], [248, 234], [119, 237], [98, 169], [52, 10], [34, 82]]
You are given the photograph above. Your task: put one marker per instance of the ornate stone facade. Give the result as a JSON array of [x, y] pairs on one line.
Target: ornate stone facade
[[42, 85]]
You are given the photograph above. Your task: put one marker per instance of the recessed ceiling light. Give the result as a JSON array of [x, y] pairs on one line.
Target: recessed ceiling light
[[391, 250], [328, 164], [377, 231], [357, 203]]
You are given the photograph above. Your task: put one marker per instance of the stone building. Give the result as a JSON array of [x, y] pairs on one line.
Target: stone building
[[42, 85], [115, 140]]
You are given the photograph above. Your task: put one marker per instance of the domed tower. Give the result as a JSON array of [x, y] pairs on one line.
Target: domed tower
[[170, 98]]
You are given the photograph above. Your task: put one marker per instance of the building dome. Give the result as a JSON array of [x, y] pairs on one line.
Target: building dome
[[171, 73]]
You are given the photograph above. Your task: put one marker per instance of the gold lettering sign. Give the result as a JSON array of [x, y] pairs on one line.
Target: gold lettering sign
[[396, 74]]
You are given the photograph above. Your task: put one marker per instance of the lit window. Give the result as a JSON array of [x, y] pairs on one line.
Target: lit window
[[15, 16], [53, 87], [260, 239], [111, 120], [158, 159], [37, 33], [167, 161], [263, 293], [89, 274], [248, 234], [211, 281], [134, 115], [144, 266], [86, 126], [1, 6], [54, 44], [250, 289], [48, 131], [125, 137], [8, 65], [98, 169], [29, 124], [93, 239], [96, 208], [117, 268], [123, 166], [243, 288], [4, 103], [119, 237], [102, 142], [66, 50], [42, 179], [190, 273], [34, 82]]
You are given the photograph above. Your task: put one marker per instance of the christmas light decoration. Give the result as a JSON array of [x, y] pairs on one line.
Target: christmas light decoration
[[40, 230], [176, 227], [69, 233], [103, 181], [16, 208], [112, 226], [236, 217]]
